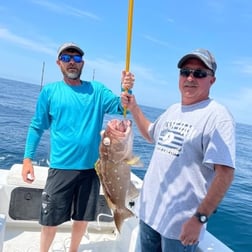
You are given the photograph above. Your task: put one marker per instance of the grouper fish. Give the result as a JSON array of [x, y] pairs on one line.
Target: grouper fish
[[114, 166]]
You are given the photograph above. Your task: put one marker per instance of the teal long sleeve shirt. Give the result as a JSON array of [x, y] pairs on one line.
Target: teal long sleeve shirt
[[74, 115]]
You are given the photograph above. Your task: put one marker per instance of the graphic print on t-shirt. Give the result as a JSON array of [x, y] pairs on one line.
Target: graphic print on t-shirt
[[172, 137]]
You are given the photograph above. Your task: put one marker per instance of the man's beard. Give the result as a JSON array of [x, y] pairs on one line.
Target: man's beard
[[73, 76]]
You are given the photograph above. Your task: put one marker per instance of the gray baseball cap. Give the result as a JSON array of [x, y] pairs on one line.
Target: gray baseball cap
[[202, 54], [69, 45]]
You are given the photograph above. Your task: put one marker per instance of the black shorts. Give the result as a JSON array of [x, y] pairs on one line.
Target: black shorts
[[69, 194]]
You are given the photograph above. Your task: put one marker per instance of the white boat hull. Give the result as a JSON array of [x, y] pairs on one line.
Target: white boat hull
[[23, 235]]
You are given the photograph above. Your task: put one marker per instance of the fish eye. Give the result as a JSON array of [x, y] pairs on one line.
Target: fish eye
[[106, 141]]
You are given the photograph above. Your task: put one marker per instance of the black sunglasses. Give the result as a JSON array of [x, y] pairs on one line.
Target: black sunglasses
[[197, 73], [67, 58]]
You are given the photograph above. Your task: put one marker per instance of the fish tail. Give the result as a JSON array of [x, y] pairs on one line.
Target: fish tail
[[120, 214]]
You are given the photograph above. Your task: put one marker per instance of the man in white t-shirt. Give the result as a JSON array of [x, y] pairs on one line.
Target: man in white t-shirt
[[193, 162]]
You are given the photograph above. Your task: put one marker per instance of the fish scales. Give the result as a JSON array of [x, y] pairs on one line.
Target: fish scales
[[113, 167]]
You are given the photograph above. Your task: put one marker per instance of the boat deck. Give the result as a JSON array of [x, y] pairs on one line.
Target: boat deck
[[98, 238]]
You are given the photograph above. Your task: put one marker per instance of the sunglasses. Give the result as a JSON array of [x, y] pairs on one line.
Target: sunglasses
[[67, 58], [197, 73]]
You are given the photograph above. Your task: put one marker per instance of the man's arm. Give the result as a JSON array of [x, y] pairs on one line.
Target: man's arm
[[223, 178], [129, 101]]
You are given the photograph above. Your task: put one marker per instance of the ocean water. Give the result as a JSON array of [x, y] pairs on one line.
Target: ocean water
[[232, 223]]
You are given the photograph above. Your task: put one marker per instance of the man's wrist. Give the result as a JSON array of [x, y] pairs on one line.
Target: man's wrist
[[201, 217], [27, 160]]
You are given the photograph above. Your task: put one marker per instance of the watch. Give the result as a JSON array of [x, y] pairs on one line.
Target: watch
[[201, 217]]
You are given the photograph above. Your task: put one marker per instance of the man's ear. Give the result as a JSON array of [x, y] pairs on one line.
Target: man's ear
[[213, 80]]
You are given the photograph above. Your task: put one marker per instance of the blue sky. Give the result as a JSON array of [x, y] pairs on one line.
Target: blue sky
[[163, 31]]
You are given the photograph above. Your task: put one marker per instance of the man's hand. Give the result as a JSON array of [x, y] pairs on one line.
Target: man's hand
[[127, 80], [28, 171], [190, 231]]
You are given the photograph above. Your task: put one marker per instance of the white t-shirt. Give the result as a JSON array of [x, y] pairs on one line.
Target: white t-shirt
[[189, 140]]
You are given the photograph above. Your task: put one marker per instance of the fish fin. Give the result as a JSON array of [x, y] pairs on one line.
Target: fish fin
[[111, 205], [96, 163], [133, 192], [135, 161], [96, 166], [120, 214]]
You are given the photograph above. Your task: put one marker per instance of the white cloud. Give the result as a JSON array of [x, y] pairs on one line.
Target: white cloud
[[247, 69], [157, 41], [244, 65], [65, 9], [7, 35], [239, 103]]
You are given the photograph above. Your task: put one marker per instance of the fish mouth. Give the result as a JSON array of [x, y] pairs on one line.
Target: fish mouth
[[118, 130], [120, 125], [123, 125]]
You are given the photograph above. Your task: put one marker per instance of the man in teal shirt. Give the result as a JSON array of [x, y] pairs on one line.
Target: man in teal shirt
[[73, 110]]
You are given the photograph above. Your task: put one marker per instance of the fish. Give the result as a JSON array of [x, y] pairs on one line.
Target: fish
[[114, 168]]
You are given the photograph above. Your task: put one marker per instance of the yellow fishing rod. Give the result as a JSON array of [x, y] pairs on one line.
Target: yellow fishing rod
[[128, 46]]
